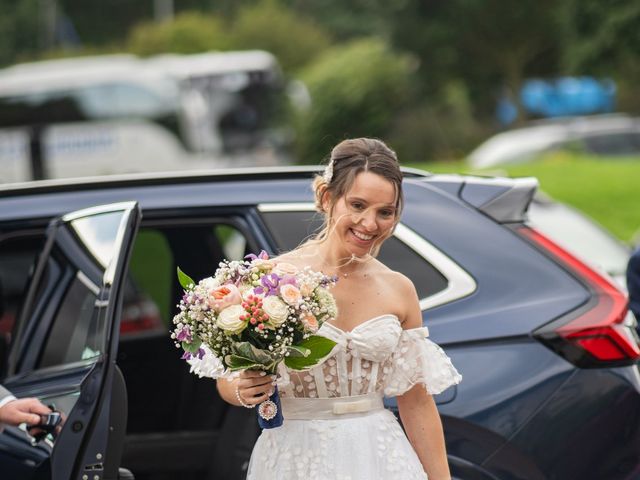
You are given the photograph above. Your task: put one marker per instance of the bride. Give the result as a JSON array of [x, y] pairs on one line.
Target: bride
[[335, 424]]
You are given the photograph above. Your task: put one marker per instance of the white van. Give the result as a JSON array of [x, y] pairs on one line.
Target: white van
[[121, 114]]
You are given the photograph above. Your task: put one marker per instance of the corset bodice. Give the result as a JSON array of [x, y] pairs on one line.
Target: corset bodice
[[377, 356]]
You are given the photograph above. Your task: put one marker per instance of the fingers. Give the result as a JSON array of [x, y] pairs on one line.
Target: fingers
[[255, 387], [24, 410], [35, 406], [254, 400]]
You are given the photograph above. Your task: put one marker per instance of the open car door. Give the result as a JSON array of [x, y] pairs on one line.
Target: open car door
[[65, 345]]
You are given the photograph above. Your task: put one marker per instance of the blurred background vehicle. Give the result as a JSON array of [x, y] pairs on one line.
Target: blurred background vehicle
[[118, 114], [612, 135], [581, 235]]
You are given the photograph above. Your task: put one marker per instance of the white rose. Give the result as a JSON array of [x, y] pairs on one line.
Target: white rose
[[229, 319], [276, 309], [284, 268]]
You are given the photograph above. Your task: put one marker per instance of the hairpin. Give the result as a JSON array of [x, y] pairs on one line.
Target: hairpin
[[328, 172]]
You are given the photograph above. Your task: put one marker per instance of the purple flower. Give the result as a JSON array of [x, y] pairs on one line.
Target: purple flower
[[184, 335], [262, 256], [188, 355], [269, 284]]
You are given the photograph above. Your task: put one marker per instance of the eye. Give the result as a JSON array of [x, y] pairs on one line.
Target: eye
[[386, 213], [357, 205]]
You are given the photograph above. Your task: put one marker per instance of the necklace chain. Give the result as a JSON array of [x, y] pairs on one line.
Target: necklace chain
[[337, 267]]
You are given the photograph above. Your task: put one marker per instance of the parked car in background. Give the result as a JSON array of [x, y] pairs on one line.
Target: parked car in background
[[121, 114], [611, 135], [581, 235], [545, 344]]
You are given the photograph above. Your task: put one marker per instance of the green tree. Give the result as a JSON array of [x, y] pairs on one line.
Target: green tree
[[189, 32], [356, 89], [20, 30], [486, 44], [603, 37], [293, 38]]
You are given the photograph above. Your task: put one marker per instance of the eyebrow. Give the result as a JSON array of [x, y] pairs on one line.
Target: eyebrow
[[385, 205]]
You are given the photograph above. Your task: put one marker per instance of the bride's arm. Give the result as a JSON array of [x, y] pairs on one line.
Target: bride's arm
[[417, 408], [422, 423]]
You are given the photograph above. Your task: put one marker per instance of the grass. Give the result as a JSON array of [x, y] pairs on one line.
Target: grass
[[606, 189]]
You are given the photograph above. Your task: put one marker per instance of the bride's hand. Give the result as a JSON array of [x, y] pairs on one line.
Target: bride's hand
[[254, 386]]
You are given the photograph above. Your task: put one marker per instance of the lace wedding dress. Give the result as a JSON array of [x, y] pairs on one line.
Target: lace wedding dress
[[335, 426]]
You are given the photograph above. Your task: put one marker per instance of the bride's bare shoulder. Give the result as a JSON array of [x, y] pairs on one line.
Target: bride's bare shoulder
[[300, 257]]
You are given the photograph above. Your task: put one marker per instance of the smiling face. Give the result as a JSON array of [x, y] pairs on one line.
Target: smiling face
[[364, 217]]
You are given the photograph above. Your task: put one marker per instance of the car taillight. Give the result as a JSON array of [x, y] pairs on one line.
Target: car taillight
[[600, 333]]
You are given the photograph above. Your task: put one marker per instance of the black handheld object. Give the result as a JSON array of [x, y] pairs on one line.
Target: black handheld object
[[48, 424]]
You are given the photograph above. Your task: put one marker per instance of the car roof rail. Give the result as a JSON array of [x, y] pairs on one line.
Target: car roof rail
[[289, 172]]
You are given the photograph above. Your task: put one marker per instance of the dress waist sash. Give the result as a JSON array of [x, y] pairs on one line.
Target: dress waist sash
[[330, 408]]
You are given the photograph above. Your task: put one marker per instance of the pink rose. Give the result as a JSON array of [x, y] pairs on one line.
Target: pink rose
[[310, 322], [290, 294], [223, 296]]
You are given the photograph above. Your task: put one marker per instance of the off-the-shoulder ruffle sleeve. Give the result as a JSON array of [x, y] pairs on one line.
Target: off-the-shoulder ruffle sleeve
[[417, 359]]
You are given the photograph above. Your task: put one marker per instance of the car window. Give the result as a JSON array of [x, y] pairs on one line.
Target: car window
[[147, 355], [290, 228], [18, 255], [150, 295], [78, 331]]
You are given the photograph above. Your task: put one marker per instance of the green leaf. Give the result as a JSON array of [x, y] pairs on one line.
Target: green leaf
[[193, 346], [235, 362], [246, 350], [185, 280], [296, 351], [319, 346]]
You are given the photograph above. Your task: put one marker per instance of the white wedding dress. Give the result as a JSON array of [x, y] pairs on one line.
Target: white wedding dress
[[335, 426]]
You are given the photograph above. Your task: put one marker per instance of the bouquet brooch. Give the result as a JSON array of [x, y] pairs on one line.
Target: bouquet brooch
[[254, 314]]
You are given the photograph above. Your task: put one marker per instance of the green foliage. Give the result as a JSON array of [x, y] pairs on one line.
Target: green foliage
[[192, 347], [20, 30], [246, 356], [603, 36], [293, 38], [356, 89], [437, 130], [189, 32], [318, 347], [185, 280]]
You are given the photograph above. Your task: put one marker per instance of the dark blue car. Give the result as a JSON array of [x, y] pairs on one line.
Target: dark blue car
[[548, 352]]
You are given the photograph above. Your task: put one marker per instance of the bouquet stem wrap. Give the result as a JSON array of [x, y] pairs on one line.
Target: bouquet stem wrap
[[270, 411]]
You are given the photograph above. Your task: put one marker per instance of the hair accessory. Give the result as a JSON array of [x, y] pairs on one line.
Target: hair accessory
[[242, 401], [328, 172]]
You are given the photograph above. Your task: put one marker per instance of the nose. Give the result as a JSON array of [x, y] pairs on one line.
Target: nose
[[368, 220]]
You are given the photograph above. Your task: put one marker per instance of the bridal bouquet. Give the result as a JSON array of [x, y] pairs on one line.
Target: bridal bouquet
[[254, 314]]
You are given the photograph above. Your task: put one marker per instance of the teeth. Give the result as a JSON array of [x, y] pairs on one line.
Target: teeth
[[362, 236]]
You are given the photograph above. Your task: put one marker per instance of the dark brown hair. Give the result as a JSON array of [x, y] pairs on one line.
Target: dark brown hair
[[353, 156], [348, 159]]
